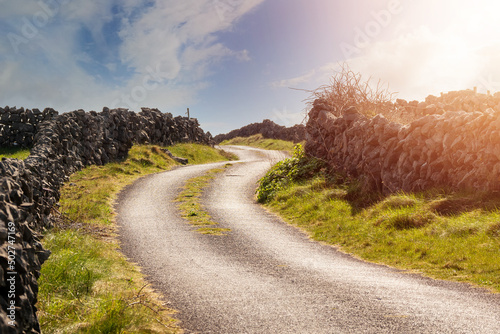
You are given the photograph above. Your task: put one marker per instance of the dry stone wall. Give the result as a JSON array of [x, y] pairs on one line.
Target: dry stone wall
[[18, 126], [465, 100], [30, 188], [269, 130], [455, 149]]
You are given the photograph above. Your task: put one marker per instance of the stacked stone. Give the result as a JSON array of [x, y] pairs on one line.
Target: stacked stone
[[169, 129], [460, 150], [18, 126], [464, 100], [21, 253], [29, 189], [269, 130]]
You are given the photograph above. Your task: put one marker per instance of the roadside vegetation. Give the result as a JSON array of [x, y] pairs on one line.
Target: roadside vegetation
[[14, 153], [260, 142], [87, 285], [440, 233], [191, 208]]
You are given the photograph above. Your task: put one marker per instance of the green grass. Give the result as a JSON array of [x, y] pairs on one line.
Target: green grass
[[191, 208], [452, 236], [213, 230], [259, 142], [442, 234], [87, 285], [199, 154], [14, 153]]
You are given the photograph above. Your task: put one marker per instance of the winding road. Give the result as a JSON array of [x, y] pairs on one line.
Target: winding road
[[265, 276]]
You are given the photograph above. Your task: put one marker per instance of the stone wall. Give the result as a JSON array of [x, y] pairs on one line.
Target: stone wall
[[464, 100], [30, 188], [269, 130], [18, 126], [455, 149]]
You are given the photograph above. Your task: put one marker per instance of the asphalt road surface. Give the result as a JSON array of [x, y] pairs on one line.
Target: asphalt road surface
[[267, 277]]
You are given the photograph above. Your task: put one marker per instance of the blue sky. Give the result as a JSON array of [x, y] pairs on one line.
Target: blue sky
[[234, 62]]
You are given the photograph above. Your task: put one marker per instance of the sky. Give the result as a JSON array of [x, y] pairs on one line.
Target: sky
[[235, 62]]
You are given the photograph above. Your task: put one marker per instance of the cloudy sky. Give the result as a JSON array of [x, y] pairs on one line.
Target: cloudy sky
[[233, 62]]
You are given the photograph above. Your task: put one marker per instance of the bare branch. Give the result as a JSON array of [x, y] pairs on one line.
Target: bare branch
[[348, 89]]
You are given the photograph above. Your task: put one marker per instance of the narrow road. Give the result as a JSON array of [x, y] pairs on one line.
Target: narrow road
[[267, 277]]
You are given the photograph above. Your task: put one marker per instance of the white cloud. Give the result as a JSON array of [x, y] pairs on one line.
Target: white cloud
[[184, 31], [296, 81], [242, 55], [12, 9], [169, 46], [286, 117]]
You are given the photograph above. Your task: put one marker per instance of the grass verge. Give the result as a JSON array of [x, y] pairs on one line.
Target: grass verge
[[441, 234], [14, 153], [191, 208], [198, 154], [260, 142], [87, 285]]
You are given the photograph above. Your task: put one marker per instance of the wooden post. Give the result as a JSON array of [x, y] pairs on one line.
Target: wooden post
[[188, 113]]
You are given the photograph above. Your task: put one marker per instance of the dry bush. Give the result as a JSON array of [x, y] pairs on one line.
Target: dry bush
[[347, 89]]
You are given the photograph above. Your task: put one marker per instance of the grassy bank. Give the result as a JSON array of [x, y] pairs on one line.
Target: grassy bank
[[87, 286], [259, 141], [15, 153], [441, 234]]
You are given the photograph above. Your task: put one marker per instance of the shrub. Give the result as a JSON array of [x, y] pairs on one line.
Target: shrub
[[296, 168]]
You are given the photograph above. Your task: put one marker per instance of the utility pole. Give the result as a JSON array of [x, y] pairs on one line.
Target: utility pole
[[188, 113]]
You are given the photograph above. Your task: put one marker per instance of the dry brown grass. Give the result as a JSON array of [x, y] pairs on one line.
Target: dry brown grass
[[348, 89]]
